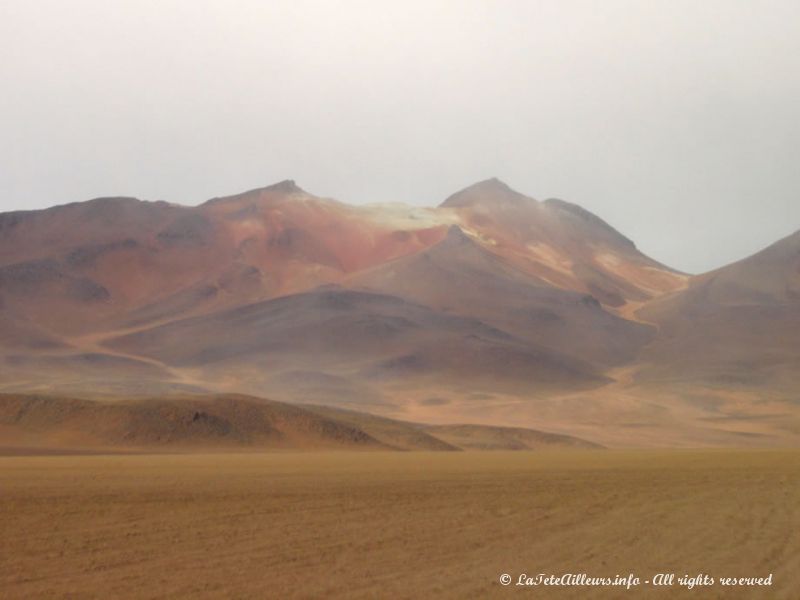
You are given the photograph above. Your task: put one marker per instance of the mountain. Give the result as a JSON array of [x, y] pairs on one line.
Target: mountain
[[76, 276], [561, 243], [121, 262], [722, 368], [738, 326], [491, 308], [460, 276]]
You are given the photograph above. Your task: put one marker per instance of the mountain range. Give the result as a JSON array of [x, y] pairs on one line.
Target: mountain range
[[493, 308]]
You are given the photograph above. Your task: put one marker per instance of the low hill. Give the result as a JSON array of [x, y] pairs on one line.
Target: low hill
[[485, 437], [235, 422]]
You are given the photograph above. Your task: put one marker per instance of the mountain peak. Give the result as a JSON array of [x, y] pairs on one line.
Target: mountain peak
[[457, 242], [487, 192], [456, 235], [287, 186], [493, 183]]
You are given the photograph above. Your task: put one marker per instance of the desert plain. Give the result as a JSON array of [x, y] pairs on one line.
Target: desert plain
[[378, 524]]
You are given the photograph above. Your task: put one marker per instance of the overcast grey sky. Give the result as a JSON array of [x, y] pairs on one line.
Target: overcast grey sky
[[678, 121]]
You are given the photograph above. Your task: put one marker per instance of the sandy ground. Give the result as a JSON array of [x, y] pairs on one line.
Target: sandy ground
[[396, 525]]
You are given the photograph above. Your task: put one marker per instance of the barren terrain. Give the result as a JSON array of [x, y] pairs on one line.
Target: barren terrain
[[492, 308], [395, 525]]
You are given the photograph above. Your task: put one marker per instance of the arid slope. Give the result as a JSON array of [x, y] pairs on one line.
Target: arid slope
[[491, 308], [40, 424]]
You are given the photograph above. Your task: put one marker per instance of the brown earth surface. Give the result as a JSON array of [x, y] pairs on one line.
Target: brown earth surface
[[396, 525]]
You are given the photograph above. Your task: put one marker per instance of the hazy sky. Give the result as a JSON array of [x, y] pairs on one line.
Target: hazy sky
[[677, 122]]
